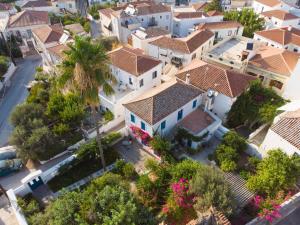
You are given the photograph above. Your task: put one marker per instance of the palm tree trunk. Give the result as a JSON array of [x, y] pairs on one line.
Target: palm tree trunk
[[98, 138]]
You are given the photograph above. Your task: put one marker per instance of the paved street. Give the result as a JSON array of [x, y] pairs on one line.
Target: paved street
[[16, 93]]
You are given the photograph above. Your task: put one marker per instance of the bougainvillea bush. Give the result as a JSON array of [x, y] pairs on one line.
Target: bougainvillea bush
[[269, 209], [140, 134]]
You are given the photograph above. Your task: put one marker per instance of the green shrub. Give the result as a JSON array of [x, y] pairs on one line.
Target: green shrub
[[108, 116], [160, 145], [3, 65], [126, 170], [228, 165], [254, 161], [235, 141], [29, 205], [110, 138], [224, 152], [245, 174]]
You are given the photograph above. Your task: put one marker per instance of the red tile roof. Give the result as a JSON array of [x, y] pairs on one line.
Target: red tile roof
[[28, 18], [36, 3], [288, 127], [58, 50], [196, 121], [188, 15], [5, 6], [154, 108], [49, 33], [280, 14], [207, 76], [133, 61], [219, 25], [282, 36], [275, 60], [270, 3], [185, 45]]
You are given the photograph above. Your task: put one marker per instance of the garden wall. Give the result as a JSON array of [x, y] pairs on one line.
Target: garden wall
[[16, 209], [7, 76]]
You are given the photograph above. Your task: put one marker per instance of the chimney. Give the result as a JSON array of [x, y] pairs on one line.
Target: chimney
[[187, 79], [289, 28]]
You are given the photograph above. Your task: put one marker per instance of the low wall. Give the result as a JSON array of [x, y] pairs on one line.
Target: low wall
[[7, 76], [16, 209]]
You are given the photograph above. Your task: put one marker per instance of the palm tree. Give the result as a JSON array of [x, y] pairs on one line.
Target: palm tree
[[85, 70]]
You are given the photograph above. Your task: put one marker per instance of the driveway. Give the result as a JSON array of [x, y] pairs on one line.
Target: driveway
[[134, 154], [16, 93], [7, 217]]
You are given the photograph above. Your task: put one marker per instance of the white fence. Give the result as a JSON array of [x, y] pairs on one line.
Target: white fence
[[7, 76], [16, 209]]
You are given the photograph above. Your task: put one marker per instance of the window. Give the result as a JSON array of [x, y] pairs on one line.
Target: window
[[194, 103], [142, 19], [141, 82], [154, 74], [70, 6], [130, 81], [160, 17], [229, 33], [167, 28], [163, 125], [275, 22], [132, 118], [193, 56], [277, 84], [179, 115], [295, 50], [176, 25], [272, 45], [143, 125]]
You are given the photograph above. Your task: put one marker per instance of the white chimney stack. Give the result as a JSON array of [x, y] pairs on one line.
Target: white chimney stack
[[187, 78], [289, 28]]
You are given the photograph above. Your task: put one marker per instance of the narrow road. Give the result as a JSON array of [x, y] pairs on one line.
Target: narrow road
[[16, 93]]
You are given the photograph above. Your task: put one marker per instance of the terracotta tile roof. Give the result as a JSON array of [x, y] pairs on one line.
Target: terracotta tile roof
[[288, 127], [282, 36], [214, 13], [58, 50], [28, 18], [200, 6], [270, 3], [106, 12], [151, 8], [154, 108], [155, 32], [207, 76], [75, 28], [280, 14], [196, 121], [275, 60], [219, 25], [184, 45], [133, 61], [5, 6], [36, 3], [189, 15], [49, 33]]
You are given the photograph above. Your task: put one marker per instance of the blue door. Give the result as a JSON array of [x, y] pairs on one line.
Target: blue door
[[35, 183]]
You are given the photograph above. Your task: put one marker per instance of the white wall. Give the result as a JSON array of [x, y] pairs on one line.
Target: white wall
[[259, 7], [222, 105], [291, 89], [171, 119], [228, 32], [274, 141]]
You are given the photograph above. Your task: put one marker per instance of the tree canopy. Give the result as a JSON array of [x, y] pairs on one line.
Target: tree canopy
[[248, 18], [255, 106], [214, 5], [276, 172]]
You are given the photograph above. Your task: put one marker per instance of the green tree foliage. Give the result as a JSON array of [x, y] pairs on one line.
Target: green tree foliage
[[235, 141], [3, 66], [106, 201], [85, 70], [185, 169], [214, 5], [257, 105], [274, 173], [211, 189], [248, 18], [126, 170], [160, 145]]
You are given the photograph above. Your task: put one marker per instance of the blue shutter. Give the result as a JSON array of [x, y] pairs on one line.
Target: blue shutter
[[163, 125], [132, 118], [194, 103], [143, 126], [179, 116]]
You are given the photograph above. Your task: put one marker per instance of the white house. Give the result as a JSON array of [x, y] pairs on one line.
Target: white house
[[135, 73], [280, 18], [75, 29], [260, 6], [181, 51], [123, 21], [141, 37], [39, 5], [223, 29], [22, 23], [277, 68], [284, 38], [183, 22], [67, 5], [56, 53], [46, 37], [284, 134], [160, 109], [221, 86]]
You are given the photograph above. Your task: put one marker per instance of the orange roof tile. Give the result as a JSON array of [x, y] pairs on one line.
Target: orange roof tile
[[280, 14], [49, 33], [270, 3]]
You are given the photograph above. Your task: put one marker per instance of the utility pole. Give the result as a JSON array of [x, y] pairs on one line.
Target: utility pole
[[8, 48]]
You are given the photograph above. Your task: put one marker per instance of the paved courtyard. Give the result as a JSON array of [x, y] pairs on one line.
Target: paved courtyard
[[7, 216], [134, 154]]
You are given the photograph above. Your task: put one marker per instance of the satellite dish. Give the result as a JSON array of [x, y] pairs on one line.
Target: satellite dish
[[210, 93]]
